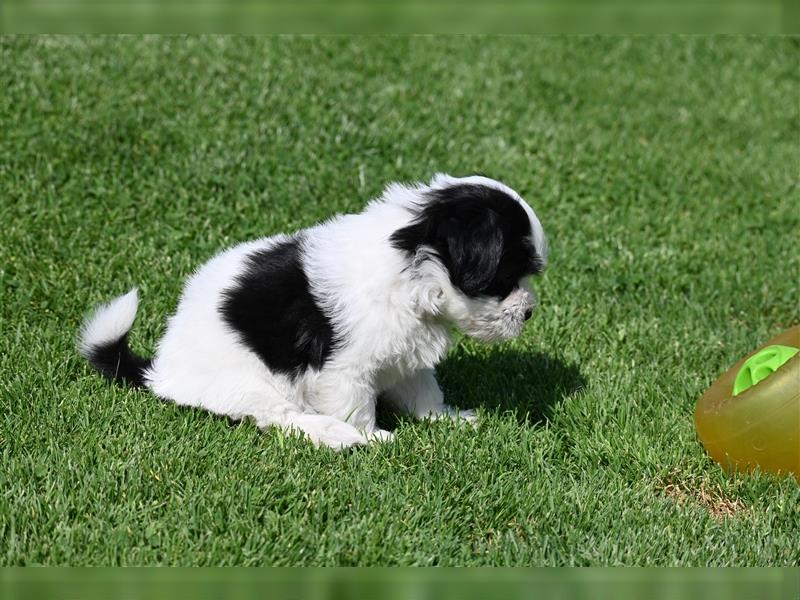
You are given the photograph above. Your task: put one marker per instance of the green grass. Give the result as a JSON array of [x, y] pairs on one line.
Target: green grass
[[664, 171]]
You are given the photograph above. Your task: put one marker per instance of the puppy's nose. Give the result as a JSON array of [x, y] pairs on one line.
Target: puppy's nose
[[528, 313]]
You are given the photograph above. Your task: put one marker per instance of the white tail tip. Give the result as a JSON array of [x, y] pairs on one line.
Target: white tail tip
[[109, 322]]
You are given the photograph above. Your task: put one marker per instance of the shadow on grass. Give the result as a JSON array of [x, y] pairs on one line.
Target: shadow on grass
[[530, 385]]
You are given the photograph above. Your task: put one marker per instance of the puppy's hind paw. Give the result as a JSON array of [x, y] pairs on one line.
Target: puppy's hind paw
[[323, 430]]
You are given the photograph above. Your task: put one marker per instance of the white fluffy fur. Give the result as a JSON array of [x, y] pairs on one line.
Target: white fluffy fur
[[395, 318], [109, 322]]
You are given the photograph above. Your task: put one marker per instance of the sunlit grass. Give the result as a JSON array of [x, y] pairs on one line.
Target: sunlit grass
[[664, 170]]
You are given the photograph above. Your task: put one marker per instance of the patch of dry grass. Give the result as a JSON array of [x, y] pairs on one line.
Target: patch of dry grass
[[709, 496]]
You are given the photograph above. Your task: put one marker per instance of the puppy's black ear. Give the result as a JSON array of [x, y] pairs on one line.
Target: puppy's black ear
[[474, 247], [465, 227]]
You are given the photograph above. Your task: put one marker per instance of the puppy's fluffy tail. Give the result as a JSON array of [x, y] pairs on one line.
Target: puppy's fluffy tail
[[104, 341]]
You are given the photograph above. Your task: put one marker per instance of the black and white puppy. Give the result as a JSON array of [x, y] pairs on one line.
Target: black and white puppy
[[303, 331]]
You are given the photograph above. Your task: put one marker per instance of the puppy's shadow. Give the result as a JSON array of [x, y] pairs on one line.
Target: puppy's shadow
[[529, 385]]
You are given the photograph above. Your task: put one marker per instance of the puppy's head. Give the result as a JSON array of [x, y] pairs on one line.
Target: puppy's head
[[479, 244]]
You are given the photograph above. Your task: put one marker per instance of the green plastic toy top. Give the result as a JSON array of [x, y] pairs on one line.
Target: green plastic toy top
[[761, 365]]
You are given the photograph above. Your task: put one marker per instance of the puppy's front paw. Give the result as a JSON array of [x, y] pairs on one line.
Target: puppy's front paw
[[455, 414], [380, 435], [467, 415]]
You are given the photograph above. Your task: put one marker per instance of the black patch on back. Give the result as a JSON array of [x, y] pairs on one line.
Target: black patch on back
[[273, 311], [481, 235]]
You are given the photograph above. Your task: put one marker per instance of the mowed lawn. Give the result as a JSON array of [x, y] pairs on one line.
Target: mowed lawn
[[663, 169]]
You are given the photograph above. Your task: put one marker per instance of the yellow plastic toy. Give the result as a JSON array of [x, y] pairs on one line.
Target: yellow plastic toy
[[750, 417]]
